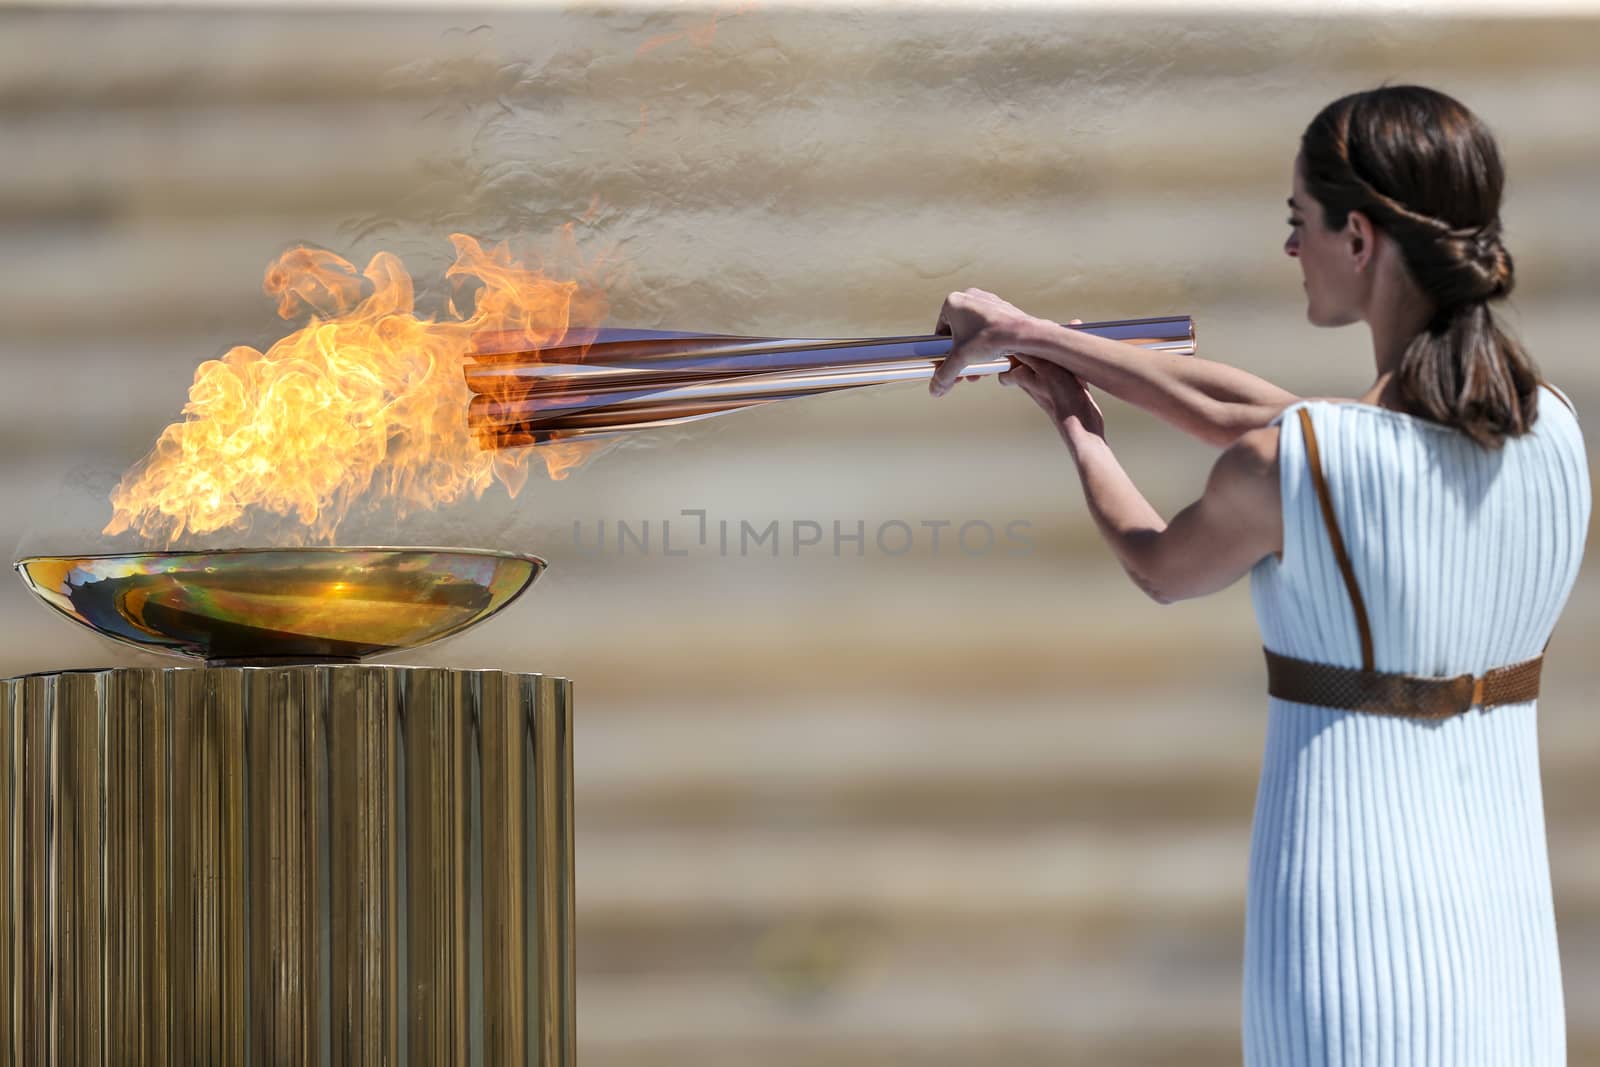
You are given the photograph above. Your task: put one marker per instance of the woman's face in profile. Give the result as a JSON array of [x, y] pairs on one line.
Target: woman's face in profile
[[1332, 292]]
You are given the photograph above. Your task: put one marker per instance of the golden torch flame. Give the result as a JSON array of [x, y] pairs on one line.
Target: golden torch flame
[[366, 400]]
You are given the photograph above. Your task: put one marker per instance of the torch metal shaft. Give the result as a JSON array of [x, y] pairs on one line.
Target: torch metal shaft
[[613, 381]]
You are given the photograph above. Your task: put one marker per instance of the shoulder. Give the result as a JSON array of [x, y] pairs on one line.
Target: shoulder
[[1248, 468], [1255, 450], [1253, 457]]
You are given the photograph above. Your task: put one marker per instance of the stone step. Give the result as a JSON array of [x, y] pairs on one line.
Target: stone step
[[284, 53], [863, 261], [929, 872], [129, 60], [829, 945], [207, 155], [947, 1016], [1173, 754], [824, 991], [123, 57]]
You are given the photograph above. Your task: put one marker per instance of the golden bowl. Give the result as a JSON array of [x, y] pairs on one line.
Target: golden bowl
[[291, 605]]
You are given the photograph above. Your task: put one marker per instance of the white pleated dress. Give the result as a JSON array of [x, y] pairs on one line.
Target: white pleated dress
[[1399, 909]]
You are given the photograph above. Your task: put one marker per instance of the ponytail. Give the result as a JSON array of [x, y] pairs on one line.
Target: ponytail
[[1463, 370]]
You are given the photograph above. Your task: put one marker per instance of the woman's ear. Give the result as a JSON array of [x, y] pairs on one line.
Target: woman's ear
[[1361, 240]]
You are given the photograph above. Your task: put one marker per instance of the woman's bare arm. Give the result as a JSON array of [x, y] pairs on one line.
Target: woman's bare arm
[[1212, 401], [1209, 544]]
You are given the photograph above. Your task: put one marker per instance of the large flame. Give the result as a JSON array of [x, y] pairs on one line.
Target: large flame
[[366, 401]]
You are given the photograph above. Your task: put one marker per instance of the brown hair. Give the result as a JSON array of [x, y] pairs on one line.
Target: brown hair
[[1426, 171]]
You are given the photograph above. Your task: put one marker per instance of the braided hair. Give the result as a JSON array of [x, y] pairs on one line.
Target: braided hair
[[1426, 172]]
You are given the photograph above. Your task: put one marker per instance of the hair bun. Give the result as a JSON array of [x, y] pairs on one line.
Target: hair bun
[[1483, 268]]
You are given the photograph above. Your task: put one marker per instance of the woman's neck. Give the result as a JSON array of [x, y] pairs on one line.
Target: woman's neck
[[1398, 312]]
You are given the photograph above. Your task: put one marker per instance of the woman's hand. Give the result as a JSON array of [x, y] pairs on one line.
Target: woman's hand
[[983, 327], [1061, 394]]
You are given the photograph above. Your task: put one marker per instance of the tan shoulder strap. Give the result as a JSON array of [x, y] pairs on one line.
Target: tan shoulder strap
[[1339, 553], [1563, 398], [1560, 396]]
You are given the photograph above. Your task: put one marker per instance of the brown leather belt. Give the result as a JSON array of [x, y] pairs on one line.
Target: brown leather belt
[[1384, 692], [1323, 684]]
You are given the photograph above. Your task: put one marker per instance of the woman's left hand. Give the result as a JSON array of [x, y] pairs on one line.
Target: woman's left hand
[[983, 327], [1061, 394]]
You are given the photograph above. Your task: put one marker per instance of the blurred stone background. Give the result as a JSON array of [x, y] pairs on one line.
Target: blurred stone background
[[948, 806]]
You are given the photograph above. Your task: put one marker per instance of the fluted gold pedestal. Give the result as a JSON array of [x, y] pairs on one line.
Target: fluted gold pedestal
[[342, 864]]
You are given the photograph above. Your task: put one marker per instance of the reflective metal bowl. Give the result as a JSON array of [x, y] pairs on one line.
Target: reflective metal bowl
[[267, 605]]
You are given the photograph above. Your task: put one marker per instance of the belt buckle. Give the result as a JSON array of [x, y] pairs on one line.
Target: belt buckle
[[1462, 693], [1442, 698]]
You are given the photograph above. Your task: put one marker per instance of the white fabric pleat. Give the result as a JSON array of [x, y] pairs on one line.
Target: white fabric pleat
[[1399, 910]]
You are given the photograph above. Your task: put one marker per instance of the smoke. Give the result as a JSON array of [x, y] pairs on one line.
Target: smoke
[[68, 519]]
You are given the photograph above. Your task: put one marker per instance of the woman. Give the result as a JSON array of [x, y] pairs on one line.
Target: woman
[[1399, 907]]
